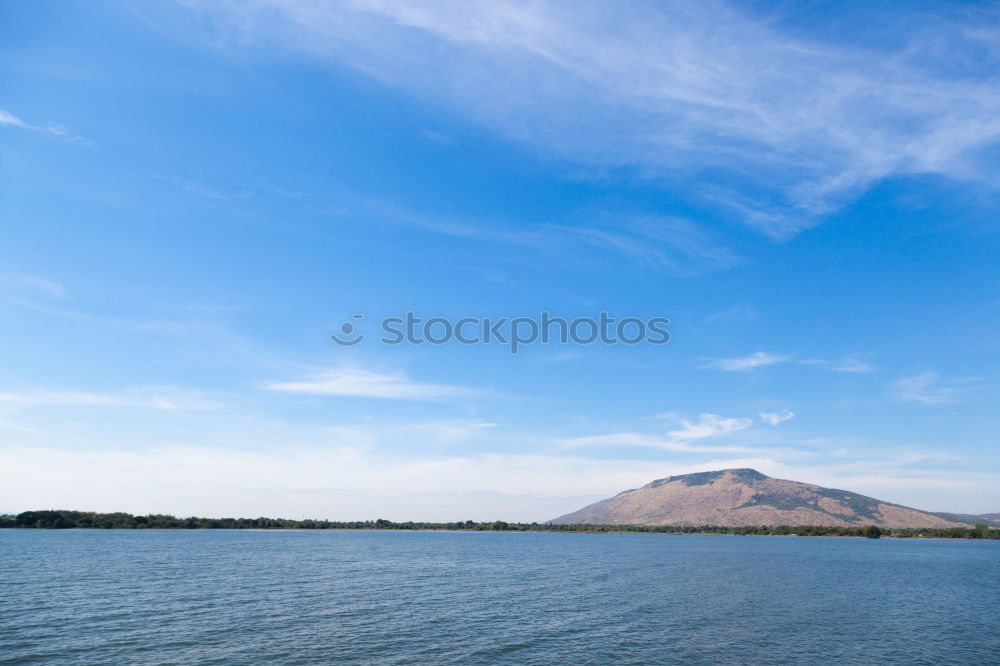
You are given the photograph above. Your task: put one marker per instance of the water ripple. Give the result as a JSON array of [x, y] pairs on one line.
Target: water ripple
[[300, 597]]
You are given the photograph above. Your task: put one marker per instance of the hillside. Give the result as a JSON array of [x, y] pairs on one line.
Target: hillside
[[990, 519], [735, 497]]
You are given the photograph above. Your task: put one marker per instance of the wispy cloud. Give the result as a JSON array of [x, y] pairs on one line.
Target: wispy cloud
[[756, 360], [854, 363], [250, 193], [643, 253], [366, 384], [667, 243], [624, 439], [33, 284], [163, 398], [926, 388], [851, 364], [736, 314], [688, 437], [675, 244], [797, 126], [774, 418], [8, 119], [7, 425], [194, 187], [708, 425]]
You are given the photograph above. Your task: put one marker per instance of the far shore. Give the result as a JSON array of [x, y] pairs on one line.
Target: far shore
[[64, 519], [535, 531]]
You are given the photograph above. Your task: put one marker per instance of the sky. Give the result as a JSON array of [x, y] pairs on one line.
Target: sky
[[195, 196]]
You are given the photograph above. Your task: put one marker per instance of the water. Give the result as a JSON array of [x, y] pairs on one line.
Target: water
[[336, 597]]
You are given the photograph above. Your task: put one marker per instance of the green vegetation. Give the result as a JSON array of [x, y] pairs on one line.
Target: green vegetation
[[86, 519], [784, 502], [859, 504], [696, 479], [704, 478]]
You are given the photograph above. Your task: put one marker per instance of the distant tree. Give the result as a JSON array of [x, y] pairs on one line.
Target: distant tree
[[90, 520], [43, 519]]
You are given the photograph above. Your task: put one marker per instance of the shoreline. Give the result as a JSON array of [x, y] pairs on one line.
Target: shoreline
[[596, 532], [67, 519]]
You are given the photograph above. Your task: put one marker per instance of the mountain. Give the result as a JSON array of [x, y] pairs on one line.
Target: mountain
[[991, 519], [737, 497]]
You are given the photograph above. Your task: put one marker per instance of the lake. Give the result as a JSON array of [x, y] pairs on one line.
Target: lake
[[395, 597]]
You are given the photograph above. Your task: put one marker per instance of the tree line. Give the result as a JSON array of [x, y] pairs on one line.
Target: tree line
[[59, 519]]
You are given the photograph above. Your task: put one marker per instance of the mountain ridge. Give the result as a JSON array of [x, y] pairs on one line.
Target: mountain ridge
[[744, 496], [990, 519]]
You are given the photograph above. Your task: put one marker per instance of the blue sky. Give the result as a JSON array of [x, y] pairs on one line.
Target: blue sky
[[196, 195]]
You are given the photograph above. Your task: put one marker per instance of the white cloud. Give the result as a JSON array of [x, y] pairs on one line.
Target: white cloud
[[160, 398], [8, 119], [756, 360], [339, 482], [367, 384], [668, 443], [685, 438], [853, 363], [708, 425], [643, 252], [671, 243], [349, 482], [802, 125], [193, 187], [774, 418], [19, 428], [33, 284], [925, 388]]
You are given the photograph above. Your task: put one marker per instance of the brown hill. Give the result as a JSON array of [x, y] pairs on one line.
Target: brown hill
[[737, 497], [991, 519]]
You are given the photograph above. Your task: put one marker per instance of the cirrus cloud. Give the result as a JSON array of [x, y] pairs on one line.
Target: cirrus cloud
[[775, 418], [781, 126], [361, 383]]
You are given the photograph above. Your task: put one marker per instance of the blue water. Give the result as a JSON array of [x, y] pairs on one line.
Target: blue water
[[299, 597]]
